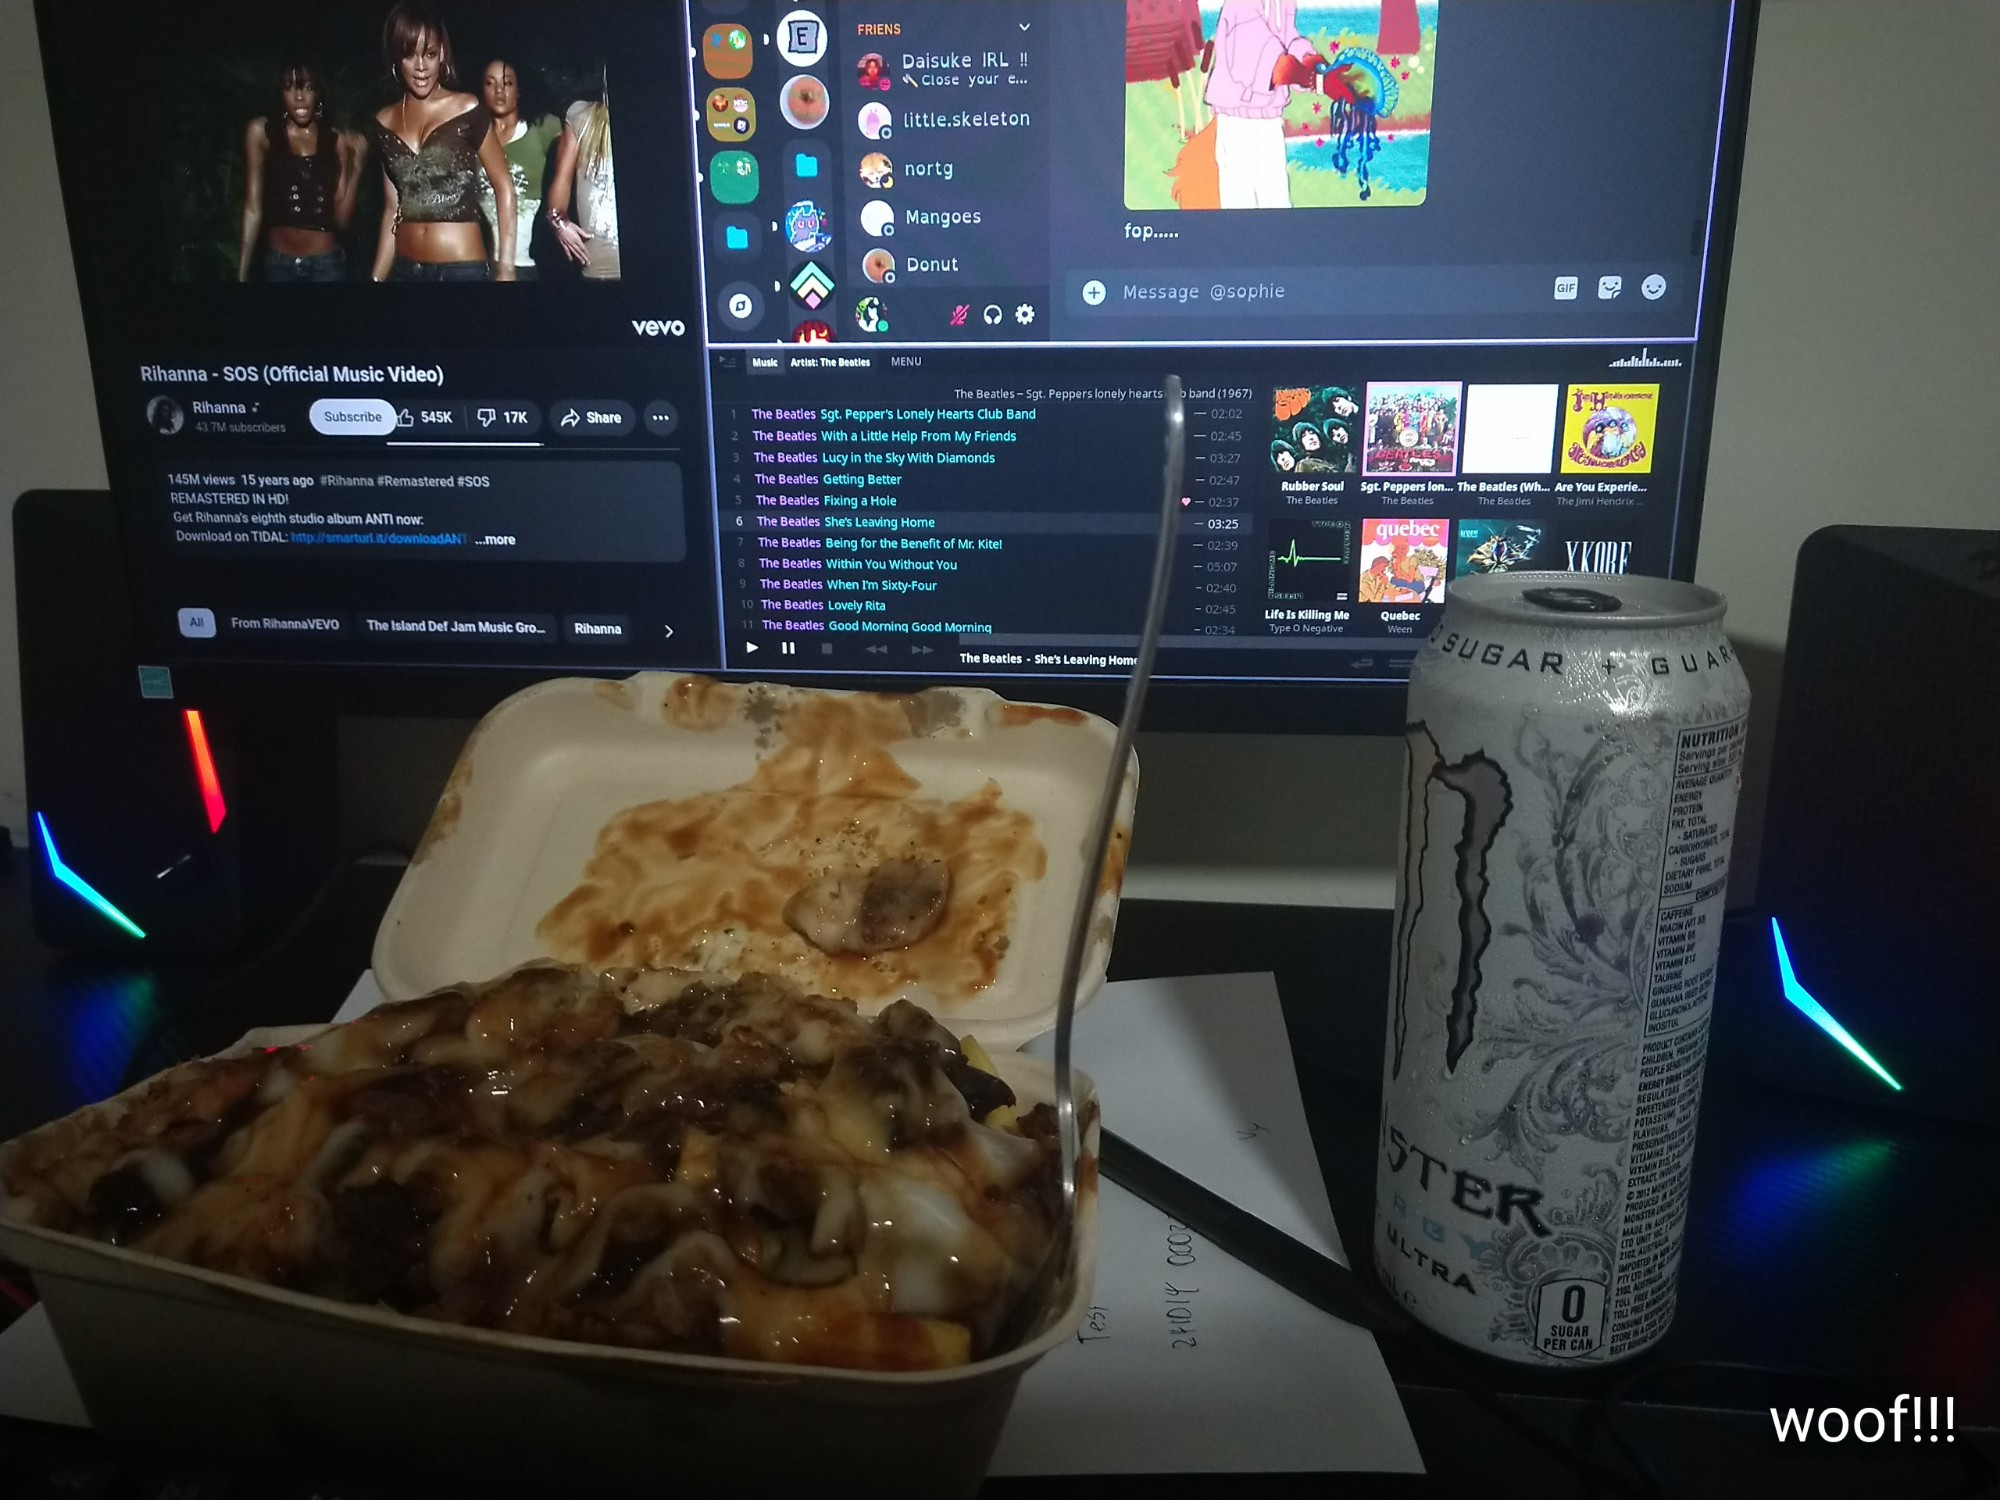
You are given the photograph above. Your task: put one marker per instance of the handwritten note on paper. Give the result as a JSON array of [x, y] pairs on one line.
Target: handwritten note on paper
[[1189, 1360]]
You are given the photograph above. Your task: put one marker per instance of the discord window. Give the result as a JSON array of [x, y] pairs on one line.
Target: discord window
[[735, 334]]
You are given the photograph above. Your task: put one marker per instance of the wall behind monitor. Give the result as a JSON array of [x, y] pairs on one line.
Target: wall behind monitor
[[1859, 376], [48, 416]]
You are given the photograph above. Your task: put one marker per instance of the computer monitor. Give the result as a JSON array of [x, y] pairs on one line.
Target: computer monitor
[[845, 366]]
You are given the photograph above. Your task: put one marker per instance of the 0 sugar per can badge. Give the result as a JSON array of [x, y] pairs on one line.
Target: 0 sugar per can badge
[[1575, 748]]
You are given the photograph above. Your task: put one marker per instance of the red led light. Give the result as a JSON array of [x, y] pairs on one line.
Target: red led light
[[204, 771]]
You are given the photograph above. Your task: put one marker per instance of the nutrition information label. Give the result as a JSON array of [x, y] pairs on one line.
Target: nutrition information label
[[1687, 934]]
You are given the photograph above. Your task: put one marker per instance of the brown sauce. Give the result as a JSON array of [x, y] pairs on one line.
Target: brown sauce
[[647, 1160], [702, 882]]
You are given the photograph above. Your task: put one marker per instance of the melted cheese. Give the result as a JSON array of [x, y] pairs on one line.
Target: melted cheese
[[642, 1159]]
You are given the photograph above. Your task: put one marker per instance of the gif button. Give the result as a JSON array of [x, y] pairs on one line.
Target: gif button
[[349, 416]]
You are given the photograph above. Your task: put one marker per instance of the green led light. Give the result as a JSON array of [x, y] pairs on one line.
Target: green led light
[[78, 884], [1817, 1013]]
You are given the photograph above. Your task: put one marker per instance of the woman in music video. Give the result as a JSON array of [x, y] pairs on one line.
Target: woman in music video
[[437, 144], [300, 176]]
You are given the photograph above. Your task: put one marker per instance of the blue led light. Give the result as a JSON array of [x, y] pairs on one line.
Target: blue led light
[[77, 883], [1817, 1013]]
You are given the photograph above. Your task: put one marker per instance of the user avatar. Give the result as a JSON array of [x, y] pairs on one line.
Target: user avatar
[[805, 103], [876, 122], [872, 315], [164, 416], [802, 38], [872, 72], [732, 114], [878, 218], [727, 51], [879, 266], [812, 286], [808, 229], [877, 171]]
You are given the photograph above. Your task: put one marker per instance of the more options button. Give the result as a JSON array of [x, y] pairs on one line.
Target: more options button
[[353, 416]]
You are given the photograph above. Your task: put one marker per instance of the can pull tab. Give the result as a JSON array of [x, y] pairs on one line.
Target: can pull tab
[[1571, 601]]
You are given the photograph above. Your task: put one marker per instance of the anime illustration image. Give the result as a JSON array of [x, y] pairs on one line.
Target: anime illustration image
[[1402, 561], [1278, 103], [1317, 430], [1607, 427], [1411, 428], [1498, 547], [878, 173]]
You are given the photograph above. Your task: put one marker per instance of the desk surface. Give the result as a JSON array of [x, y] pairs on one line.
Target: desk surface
[[1823, 1237]]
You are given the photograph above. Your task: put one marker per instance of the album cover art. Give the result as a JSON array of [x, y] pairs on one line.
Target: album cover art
[[1315, 430], [1500, 546], [1609, 429], [1403, 560], [1412, 428]]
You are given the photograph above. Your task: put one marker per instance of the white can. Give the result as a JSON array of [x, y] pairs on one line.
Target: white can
[[1575, 751]]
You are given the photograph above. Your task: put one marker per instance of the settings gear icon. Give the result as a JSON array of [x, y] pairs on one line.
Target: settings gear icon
[[1025, 314]]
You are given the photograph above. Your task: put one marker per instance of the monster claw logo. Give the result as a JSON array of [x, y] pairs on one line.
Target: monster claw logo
[[1483, 785]]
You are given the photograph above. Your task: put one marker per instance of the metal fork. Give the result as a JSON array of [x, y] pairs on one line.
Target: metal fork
[[1034, 1299]]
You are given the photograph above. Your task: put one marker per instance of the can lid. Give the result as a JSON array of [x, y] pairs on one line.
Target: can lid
[[1578, 601]]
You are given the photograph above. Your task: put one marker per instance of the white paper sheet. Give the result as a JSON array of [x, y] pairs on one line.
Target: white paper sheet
[[1202, 1365], [35, 1383], [1185, 1366]]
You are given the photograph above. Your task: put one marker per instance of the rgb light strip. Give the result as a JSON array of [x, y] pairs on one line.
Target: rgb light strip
[[65, 875], [1817, 1013], [204, 771]]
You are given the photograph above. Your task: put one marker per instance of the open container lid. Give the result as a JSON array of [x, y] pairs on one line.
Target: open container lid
[[549, 770]]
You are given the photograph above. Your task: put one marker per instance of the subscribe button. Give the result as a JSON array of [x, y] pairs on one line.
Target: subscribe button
[[353, 416]]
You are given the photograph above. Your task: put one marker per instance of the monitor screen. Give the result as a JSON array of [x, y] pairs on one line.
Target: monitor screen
[[846, 363]]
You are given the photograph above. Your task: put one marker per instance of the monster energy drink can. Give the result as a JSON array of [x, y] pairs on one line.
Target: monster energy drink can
[[1574, 752]]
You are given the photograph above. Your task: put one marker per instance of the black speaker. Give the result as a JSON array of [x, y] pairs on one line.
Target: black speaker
[[1879, 887], [156, 821]]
